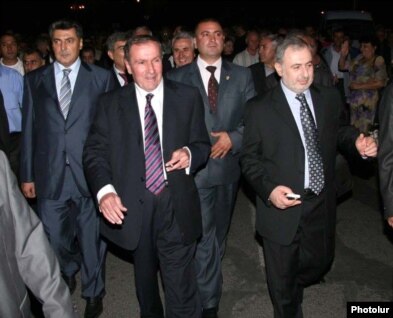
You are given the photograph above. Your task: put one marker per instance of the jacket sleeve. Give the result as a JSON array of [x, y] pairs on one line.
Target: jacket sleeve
[[37, 263]]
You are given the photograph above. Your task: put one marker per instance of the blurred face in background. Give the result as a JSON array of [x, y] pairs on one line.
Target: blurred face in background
[[117, 55], [32, 61], [9, 48], [183, 51]]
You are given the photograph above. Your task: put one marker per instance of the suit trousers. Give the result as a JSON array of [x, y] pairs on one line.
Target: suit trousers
[[291, 268], [217, 205], [72, 226], [161, 246]]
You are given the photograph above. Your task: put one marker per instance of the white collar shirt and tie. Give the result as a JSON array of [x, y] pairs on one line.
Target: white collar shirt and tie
[[295, 106], [157, 103], [61, 83]]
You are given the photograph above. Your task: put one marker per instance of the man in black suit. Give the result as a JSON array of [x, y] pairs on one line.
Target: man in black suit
[[298, 235], [218, 182], [115, 44], [159, 227], [385, 152], [263, 73], [54, 130]]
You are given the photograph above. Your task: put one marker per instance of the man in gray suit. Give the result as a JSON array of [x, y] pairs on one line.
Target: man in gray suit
[[218, 182], [53, 136], [26, 256]]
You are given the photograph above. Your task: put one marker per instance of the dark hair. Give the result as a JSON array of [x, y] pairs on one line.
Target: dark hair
[[66, 25], [369, 39], [140, 39]]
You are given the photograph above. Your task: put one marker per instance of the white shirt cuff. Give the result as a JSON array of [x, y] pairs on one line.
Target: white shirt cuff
[[105, 190]]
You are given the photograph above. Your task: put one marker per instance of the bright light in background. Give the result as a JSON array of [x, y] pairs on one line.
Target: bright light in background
[[77, 7]]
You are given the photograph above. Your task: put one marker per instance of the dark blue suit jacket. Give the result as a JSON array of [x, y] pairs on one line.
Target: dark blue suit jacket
[[48, 139]]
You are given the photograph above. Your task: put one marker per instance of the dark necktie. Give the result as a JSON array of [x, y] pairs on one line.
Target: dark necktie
[[124, 77], [155, 181], [315, 164], [212, 89], [65, 93]]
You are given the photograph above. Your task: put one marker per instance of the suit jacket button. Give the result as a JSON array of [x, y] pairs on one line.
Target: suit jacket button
[[141, 201], [142, 179]]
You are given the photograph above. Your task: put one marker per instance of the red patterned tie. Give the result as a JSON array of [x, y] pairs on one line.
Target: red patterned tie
[[212, 89], [124, 77], [155, 181]]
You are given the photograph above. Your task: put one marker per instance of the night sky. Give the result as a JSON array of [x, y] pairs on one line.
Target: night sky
[[32, 17]]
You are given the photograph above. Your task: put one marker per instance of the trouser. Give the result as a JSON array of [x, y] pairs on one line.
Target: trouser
[[217, 205], [290, 268], [161, 245], [72, 226]]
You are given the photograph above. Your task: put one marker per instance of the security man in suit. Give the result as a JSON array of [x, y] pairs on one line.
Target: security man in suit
[[218, 182], [57, 113]]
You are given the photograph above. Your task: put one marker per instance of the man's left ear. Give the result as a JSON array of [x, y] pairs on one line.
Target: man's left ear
[[278, 68]]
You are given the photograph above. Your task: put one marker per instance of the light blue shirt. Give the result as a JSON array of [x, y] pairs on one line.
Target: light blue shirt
[[72, 75], [294, 105], [11, 86]]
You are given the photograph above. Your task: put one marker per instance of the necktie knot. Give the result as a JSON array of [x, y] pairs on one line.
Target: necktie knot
[[301, 97], [211, 69], [149, 97], [66, 71], [124, 77]]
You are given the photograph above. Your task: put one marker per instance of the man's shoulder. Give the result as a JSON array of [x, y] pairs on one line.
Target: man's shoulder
[[9, 72]]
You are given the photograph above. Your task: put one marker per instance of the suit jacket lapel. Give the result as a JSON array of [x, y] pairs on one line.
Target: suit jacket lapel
[[282, 107], [49, 81], [82, 83], [224, 80], [320, 107]]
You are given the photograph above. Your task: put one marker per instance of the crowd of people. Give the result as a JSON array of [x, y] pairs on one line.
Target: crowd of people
[[142, 142]]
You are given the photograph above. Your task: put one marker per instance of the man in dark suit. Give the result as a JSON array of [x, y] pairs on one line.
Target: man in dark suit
[[385, 151], [218, 182], [156, 216], [263, 73], [298, 235], [115, 44], [54, 130]]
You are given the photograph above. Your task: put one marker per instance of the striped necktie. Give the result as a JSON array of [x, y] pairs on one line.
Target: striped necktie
[[65, 93], [155, 181]]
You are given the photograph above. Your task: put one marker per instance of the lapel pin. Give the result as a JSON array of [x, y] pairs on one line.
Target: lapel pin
[[227, 78]]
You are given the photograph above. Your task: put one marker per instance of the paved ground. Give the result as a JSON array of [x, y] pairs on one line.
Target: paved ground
[[362, 270]]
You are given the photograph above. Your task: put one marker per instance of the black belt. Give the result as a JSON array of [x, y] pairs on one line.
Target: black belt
[[15, 133], [308, 194]]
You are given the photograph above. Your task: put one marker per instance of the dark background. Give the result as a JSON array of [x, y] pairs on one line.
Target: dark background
[[33, 17]]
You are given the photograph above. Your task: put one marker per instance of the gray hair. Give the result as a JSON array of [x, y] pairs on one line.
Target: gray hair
[[113, 38], [290, 41]]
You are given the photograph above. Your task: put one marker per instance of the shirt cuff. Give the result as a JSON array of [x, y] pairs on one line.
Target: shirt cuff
[[187, 170], [105, 190]]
